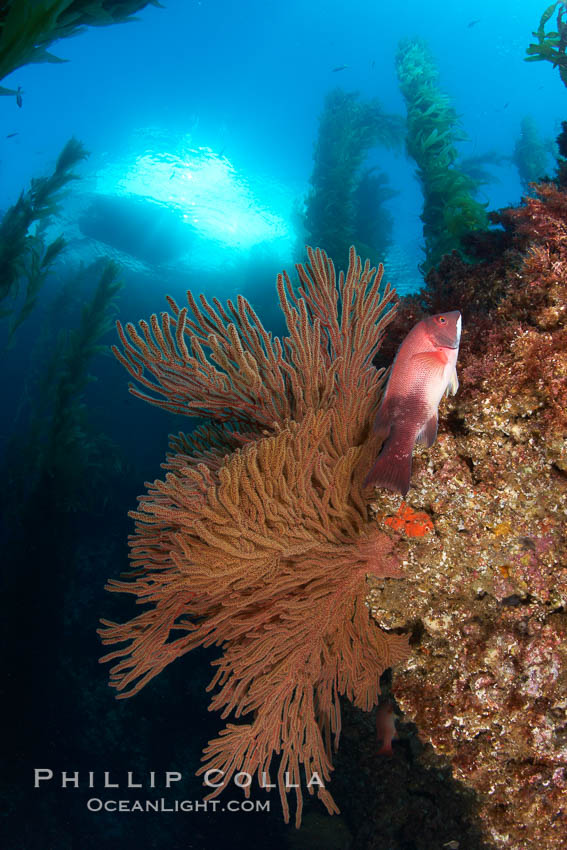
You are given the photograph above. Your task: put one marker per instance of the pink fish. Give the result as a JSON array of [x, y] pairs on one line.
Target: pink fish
[[424, 368], [386, 728]]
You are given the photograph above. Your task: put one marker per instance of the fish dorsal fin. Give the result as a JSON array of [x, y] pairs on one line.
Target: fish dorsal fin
[[383, 421]]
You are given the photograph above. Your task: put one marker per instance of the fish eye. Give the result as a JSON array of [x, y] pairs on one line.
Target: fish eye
[[442, 320]]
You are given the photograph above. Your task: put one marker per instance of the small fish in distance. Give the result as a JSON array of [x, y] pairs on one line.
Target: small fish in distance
[[386, 728], [19, 99], [424, 368], [339, 68]]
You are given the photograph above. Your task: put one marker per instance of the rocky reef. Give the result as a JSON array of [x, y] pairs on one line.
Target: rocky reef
[[485, 591]]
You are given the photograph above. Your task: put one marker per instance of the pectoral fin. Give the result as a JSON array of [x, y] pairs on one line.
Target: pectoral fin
[[428, 433], [433, 361]]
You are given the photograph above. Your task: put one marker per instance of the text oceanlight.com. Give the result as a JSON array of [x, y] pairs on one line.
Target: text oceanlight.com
[[95, 804], [129, 780]]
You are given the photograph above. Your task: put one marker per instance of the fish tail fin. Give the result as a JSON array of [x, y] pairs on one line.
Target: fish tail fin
[[386, 749], [392, 468]]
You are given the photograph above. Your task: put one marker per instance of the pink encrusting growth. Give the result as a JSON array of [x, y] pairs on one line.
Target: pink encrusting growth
[[423, 370]]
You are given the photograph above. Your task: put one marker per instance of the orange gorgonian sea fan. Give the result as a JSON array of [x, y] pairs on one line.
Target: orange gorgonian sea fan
[[259, 540]]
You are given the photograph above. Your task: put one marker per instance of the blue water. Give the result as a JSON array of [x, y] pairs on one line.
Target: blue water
[[242, 85], [200, 119]]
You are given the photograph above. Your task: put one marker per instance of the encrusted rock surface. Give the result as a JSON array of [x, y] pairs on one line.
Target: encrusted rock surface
[[485, 592]]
